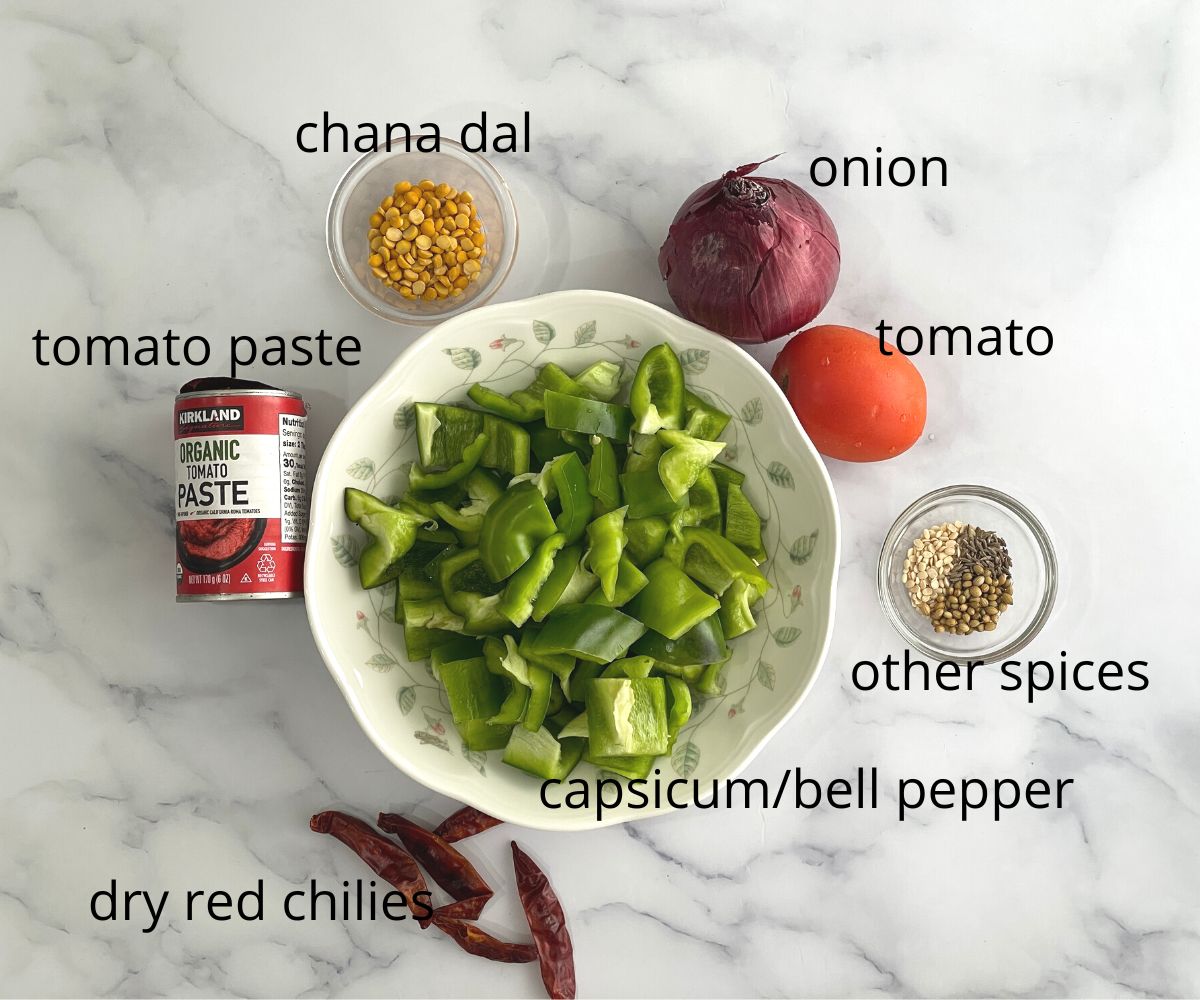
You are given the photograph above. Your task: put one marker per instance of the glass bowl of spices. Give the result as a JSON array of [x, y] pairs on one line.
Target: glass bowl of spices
[[417, 237], [967, 573]]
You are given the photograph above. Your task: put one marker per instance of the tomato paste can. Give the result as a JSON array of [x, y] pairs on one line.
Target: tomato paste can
[[241, 491]]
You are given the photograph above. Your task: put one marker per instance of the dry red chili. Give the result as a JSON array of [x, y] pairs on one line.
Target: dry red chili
[[479, 942], [548, 925], [445, 864], [387, 859], [465, 823]]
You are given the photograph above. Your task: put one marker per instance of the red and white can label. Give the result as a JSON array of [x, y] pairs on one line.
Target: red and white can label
[[241, 499]]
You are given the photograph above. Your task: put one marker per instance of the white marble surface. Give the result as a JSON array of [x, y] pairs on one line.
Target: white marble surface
[[149, 179]]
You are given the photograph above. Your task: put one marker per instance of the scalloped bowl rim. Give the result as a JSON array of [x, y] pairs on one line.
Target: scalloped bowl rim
[[561, 819]]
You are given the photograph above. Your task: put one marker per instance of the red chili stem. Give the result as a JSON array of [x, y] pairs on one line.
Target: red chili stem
[[548, 925], [467, 822], [471, 938], [386, 858], [445, 864]]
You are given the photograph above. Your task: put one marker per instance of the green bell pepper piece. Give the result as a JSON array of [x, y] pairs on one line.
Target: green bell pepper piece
[[645, 538], [714, 561], [546, 442], [671, 603], [469, 591], [656, 396], [512, 709], [471, 689], [539, 753], [393, 532], [414, 579], [566, 565], [626, 716], [479, 734], [743, 526], [736, 616], [560, 665], [576, 688], [689, 673], [724, 475], [523, 412], [606, 542], [704, 506], [581, 444], [630, 580], [601, 381], [602, 483], [419, 479], [541, 682], [702, 419], [466, 520], [710, 684], [636, 667], [550, 376], [461, 647], [512, 527], [431, 613], [444, 432], [644, 453], [587, 416], [589, 631], [703, 643], [522, 588], [646, 496], [555, 721], [570, 481], [504, 659], [625, 767], [419, 643], [684, 459], [576, 727], [679, 708]]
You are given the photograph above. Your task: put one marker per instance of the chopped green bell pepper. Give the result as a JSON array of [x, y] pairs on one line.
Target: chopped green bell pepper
[[630, 580], [419, 643], [469, 591], [539, 753], [702, 419], [743, 526], [576, 727], [589, 631], [570, 482], [466, 520], [393, 532], [704, 506], [689, 673], [444, 432], [646, 496], [636, 667], [602, 483], [546, 442], [736, 616], [512, 527], [606, 542], [656, 396], [670, 602], [431, 613], [415, 579], [684, 459], [479, 734], [512, 709], [627, 717], [565, 565], [541, 683], [703, 643], [587, 416], [419, 479], [471, 689], [724, 475], [644, 453], [714, 561], [679, 707], [522, 588], [625, 767], [710, 684], [645, 538], [523, 412], [601, 381], [575, 688], [559, 664]]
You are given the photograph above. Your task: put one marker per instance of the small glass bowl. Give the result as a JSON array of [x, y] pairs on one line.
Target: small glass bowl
[[371, 179], [1034, 573]]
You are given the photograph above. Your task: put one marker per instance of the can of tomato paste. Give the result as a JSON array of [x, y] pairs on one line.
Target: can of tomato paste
[[241, 491]]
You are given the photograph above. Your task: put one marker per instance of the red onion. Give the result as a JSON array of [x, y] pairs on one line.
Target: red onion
[[753, 258]]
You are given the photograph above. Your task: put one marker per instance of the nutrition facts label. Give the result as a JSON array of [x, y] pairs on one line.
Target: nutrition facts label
[[293, 480]]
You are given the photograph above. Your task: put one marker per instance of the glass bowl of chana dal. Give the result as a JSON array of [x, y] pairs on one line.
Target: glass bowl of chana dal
[[417, 237]]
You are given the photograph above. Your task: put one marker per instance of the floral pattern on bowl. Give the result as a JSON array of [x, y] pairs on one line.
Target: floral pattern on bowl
[[402, 706]]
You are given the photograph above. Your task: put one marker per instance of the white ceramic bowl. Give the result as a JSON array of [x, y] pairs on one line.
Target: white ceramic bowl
[[399, 704]]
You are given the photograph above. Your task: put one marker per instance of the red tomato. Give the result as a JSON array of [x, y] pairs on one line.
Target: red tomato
[[855, 402]]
